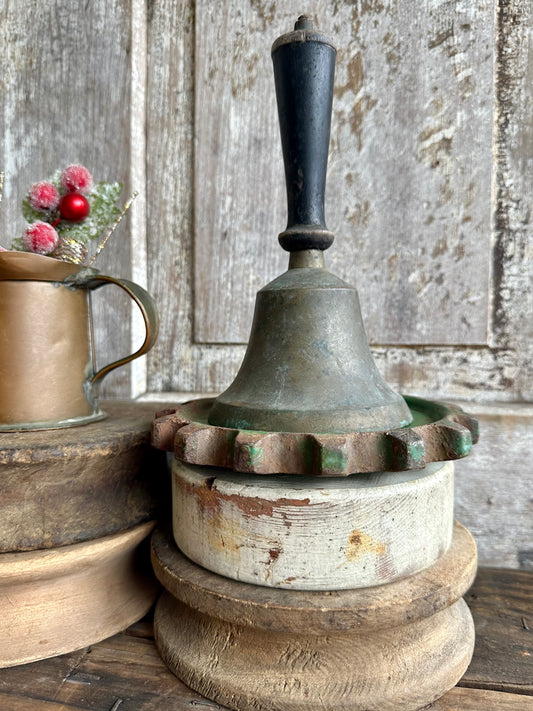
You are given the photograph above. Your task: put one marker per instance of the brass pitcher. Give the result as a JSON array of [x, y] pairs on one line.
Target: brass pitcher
[[47, 375]]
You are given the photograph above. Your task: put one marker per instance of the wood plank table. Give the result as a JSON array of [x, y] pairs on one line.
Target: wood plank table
[[124, 673]]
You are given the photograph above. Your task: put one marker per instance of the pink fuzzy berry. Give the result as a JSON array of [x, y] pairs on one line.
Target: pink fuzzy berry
[[43, 196], [76, 179], [40, 237], [2, 249]]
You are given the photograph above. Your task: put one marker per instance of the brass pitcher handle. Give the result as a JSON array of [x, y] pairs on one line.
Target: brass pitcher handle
[[147, 307]]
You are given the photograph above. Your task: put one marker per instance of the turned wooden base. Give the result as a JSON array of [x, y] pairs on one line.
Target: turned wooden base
[[395, 647], [312, 533], [66, 486], [58, 600]]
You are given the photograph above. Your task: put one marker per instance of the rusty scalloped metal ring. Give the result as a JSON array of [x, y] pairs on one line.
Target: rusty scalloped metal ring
[[439, 432]]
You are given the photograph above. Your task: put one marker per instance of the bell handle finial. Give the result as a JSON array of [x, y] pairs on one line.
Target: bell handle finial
[[304, 68]]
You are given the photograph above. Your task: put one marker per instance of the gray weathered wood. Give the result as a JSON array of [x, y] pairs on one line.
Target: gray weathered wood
[[499, 370], [494, 485], [391, 58], [396, 646], [66, 90], [409, 190]]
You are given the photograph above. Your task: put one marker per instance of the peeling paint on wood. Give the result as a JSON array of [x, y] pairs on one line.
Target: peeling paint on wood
[[305, 533], [360, 543]]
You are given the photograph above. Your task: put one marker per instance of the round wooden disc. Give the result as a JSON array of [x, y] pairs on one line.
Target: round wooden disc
[[309, 533], [395, 647], [312, 612], [58, 600], [65, 486]]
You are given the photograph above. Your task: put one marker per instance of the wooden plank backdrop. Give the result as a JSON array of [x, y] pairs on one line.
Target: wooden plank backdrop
[[429, 193], [66, 97]]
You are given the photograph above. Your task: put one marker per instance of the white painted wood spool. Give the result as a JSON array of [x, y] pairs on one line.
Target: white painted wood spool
[[305, 533], [394, 647], [57, 600]]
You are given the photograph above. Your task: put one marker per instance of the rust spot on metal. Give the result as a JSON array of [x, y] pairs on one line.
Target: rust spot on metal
[[360, 543], [297, 453], [274, 553]]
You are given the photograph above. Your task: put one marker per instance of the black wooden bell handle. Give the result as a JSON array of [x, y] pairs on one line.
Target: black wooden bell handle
[[304, 68]]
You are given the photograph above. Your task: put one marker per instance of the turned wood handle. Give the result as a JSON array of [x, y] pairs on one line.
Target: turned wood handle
[[304, 67]]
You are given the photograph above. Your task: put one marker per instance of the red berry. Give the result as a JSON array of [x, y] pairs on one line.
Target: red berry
[[76, 178], [40, 237], [74, 207], [43, 196]]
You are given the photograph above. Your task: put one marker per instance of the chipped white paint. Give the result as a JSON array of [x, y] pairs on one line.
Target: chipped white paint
[[307, 534]]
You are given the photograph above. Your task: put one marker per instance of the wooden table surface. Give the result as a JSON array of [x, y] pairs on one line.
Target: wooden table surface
[[124, 673]]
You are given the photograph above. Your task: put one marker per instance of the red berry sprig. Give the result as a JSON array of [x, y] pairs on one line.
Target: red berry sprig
[[66, 212], [74, 207], [76, 181], [43, 196], [41, 238]]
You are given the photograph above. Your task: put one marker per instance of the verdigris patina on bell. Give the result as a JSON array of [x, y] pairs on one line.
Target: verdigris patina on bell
[[308, 398], [308, 367]]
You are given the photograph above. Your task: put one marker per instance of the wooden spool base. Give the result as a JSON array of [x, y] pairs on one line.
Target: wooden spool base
[[311, 533], [55, 601], [66, 486], [395, 647]]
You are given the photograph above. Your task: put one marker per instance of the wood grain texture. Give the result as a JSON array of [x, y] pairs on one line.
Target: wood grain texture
[[62, 599], [398, 669], [169, 161], [512, 324], [66, 486], [493, 486], [395, 646], [460, 61], [502, 605], [310, 534], [125, 671], [395, 144], [314, 612], [459, 699], [66, 95], [400, 137]]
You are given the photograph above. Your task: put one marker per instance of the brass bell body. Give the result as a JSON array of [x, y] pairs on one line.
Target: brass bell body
[[308, 367]]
